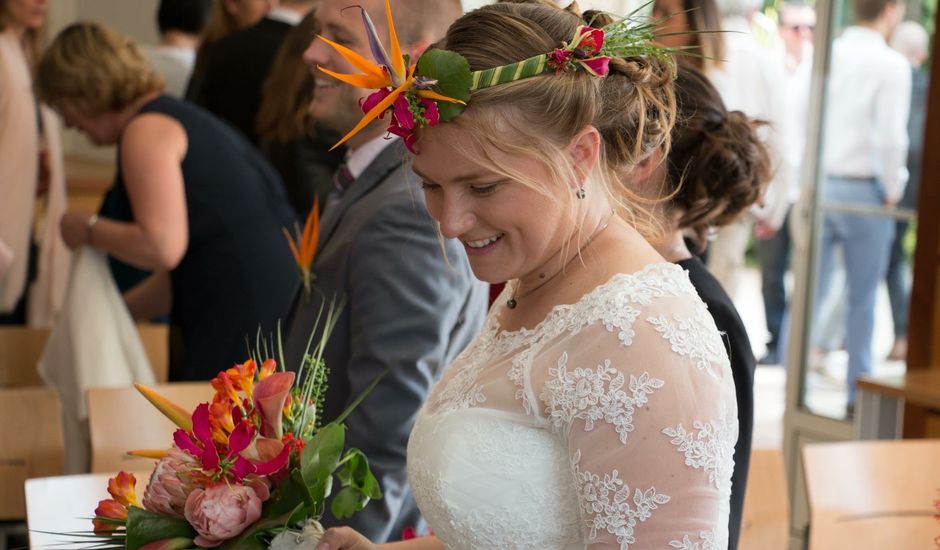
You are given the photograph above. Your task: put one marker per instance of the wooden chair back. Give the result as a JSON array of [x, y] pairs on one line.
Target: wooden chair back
[[21, 347], [872, 494], [122, 420], [766, 515], [31, 443]]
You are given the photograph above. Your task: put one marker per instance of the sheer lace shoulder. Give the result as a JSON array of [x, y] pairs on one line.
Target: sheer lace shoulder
[[622, 413]]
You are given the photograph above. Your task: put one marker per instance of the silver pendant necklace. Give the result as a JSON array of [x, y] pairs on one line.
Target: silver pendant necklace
[[512, 302]]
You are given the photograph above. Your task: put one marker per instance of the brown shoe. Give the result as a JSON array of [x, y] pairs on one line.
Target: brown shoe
[[898, 350]]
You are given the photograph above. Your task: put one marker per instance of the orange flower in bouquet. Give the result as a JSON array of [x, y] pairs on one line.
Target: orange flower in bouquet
[[251, 469]]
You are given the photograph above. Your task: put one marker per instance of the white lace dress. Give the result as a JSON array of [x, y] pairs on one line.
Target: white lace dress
[[610, 425]]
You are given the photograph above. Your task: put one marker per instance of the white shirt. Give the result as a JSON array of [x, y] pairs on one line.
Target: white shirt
[[866, 110], [285, 15], [175, 64], [358, 159], [753, 80]]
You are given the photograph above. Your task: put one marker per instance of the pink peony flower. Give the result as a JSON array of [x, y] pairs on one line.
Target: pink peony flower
[[170, 484], [221, 512]]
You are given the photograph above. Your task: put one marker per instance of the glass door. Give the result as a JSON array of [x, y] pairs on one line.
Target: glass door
[[854, 224]]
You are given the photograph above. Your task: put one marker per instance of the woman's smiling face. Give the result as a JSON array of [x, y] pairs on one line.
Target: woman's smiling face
[[508, 229]]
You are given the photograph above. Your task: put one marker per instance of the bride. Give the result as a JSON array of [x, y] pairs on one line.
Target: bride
[[596, 409]]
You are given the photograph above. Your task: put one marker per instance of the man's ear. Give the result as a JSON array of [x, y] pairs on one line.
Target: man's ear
[[415, 50], [584, 151], [645, 169]]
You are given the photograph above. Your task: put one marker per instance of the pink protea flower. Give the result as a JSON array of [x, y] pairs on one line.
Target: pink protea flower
[[222, 511], [170, 484]]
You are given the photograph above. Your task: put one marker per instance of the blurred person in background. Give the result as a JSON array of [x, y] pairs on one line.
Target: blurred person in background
[[717, 168], [227, 17], [192, 202], [33, 274], [797, 21], [238, 65], [864, 153], [181, 23], [749, 75], [289, 139], [911, 40]]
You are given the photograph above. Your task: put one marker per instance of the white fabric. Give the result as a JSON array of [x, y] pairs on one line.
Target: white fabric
[[867, 104], [612, 424], [360, 158], [753, 80], [175, 64], [47, 293], [93, 344], [285, 15], [19, 165]]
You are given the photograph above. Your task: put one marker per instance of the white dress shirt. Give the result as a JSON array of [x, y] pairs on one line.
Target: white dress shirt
[[866, 110], [358, 159], [752, 80], [285, 15], [175, 64]]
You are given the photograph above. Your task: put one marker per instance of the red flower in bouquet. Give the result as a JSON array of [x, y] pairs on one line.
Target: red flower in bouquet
[[112, 512]]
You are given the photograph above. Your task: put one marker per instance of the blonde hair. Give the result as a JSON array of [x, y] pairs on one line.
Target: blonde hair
[[95, 70], [537, 118]]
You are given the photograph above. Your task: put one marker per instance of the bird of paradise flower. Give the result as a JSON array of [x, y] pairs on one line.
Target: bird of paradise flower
[[395, 80], [304, 247]]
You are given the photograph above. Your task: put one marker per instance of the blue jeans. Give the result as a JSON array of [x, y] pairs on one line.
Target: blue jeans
[[865, 242], [774, 255]]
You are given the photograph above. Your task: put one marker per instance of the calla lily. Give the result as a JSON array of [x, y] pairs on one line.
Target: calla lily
[[178, 415], [269, 398]]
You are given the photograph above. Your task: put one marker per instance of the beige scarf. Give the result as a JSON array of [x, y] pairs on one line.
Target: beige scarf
[[19, 173]]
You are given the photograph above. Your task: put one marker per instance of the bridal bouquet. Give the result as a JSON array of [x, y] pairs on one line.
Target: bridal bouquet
[[251, 469]]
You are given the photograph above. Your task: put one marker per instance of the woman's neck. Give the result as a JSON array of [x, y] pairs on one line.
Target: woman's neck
[[177, 39], [673, 247]]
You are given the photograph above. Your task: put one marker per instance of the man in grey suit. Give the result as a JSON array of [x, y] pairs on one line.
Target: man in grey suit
[[411, 304]]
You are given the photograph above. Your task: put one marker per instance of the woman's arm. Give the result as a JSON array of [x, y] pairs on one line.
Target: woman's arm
[[152, 149], [151, 298]]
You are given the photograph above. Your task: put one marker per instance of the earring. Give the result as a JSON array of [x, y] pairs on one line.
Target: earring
[[580, 193]]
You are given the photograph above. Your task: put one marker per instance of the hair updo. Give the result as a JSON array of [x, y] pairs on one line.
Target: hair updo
[[536, 118], [719, 166]]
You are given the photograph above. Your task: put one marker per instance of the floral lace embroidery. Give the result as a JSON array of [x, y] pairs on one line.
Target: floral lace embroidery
[[709, 448], [708, 540], [693, 337], [592, 395], [517, 375], [609, 304], [605, 504]]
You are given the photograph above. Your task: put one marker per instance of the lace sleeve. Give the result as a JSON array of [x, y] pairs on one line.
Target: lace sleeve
[[645, 403]]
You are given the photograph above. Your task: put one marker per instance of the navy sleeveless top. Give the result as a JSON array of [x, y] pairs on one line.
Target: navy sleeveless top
[[238, 273]]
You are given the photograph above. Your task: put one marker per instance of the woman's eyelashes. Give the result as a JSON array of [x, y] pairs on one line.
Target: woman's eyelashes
[[480, 189]]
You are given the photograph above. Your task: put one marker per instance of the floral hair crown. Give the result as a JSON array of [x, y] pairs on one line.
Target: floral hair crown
[[437, 88]]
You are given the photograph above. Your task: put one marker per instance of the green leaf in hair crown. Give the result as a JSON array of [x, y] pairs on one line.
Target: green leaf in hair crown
[[450, 74]]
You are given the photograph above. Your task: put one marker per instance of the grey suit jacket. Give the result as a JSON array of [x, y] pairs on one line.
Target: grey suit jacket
[[408, 309]]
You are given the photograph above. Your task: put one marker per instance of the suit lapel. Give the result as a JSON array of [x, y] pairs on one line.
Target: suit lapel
[[390, 159]]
